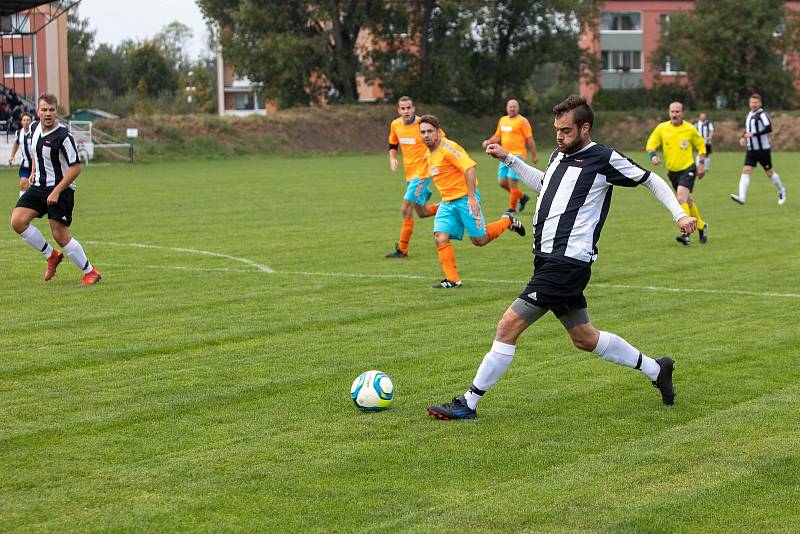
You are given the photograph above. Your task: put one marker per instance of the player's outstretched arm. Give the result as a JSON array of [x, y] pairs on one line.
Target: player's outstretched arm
[[664, 194], [530, 176]]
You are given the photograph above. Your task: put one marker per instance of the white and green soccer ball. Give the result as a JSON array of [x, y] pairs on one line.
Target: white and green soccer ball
[[372, 391]]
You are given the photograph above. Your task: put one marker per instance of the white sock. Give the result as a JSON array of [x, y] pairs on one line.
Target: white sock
[[492, 367], [74, 250], [744, 183], [615, 349], [34, 238], [776, 181]]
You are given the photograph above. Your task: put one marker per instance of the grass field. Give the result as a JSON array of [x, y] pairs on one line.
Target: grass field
[[192, 389]]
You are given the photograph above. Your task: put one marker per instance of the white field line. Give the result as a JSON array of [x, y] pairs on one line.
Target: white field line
[[267, 270], [262, 268]]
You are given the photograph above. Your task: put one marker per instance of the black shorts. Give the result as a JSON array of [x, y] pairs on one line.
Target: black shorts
[[35, 198], [557, 285], [755, 157], [24, 172], [708, 149], [685, 178]]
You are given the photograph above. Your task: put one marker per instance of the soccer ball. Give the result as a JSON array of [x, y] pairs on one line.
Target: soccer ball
[[372, 391]]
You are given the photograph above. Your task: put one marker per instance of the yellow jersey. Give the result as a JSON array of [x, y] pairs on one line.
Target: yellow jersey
[[513, 133], [677, 143], [413, 150], [447, 163]]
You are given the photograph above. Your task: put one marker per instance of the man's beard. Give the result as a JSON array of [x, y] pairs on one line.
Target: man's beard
[[569, 149]]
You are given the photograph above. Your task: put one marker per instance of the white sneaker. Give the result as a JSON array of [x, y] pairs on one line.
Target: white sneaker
[[736, 199], [782, 197]]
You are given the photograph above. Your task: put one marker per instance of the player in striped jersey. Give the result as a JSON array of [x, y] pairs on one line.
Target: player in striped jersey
[[573, 202], [706, 129], [453, 172], [676, 137], [515, 134], [759, 151], [22, 142], [52, 192], [404, 134]]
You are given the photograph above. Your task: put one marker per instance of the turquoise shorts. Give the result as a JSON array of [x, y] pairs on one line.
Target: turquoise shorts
[[453, 217], [411, 190], [504, 171]]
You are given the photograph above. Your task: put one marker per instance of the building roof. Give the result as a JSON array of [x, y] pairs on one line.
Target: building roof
[[9, 7], [98, 112]]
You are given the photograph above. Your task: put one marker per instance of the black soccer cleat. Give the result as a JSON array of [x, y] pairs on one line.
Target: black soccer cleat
[[516, 224], [447, 284], [397, 253], [703, 234], [523, 202], [683, 239], [664, 380], [457, 409]]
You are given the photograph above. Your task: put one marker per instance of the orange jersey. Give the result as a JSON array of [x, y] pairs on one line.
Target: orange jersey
[[513, 133], [413, 150], [447, 164]]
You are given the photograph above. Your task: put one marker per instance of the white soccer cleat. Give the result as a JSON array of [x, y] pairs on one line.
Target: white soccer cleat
[[737, 199], [781, 197]]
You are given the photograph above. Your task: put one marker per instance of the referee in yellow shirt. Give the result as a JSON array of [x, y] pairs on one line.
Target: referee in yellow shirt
[[677, 137]]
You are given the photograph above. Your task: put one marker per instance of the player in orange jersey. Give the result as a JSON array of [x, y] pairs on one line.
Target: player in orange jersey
[[404, 134], [514, 133], [453, 172]]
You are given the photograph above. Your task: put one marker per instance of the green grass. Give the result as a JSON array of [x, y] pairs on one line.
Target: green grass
[[194, 392]]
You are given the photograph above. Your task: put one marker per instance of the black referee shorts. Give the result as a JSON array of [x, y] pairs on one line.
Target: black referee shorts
[[35, 198], [685, 178], [708, 149], [557, 285], [755, 157]]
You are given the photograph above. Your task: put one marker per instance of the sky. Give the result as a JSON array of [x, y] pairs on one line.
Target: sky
[[115, 21]]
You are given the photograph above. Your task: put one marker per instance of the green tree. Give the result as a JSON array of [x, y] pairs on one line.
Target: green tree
[[475, 52], [173, 40], [79, 45], [299, 51], [148, 68], [107, 68], [731, 49]]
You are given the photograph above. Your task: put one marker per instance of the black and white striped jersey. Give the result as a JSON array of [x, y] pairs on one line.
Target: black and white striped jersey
[[574, 198], [23, 139], [758, 124], [706, 128], [55, 152]]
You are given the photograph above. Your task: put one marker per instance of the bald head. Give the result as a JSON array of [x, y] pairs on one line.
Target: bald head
[[512, 108], [676, 113]]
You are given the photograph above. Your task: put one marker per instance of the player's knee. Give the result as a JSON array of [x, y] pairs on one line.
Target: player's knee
[[479, 241], [19, 224], [441, 238], [584, 343]]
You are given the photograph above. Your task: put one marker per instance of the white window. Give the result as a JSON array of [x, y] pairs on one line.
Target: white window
[[617, 21], [16, 23], [672, 66], [16, 66], [622, 60]]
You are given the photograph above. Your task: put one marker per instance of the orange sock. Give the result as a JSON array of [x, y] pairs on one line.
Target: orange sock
[[432, 209], [447, 257], [513, 197], [494, 229], [405, 235]]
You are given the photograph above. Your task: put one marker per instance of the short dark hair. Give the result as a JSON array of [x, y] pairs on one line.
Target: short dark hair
[[26, 114], [430, 119], [49, 98], [581, 109], [405, 99], [758, 96]]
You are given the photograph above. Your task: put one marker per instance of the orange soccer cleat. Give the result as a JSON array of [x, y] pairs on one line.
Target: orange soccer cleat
[[92, 277], [52, 264]]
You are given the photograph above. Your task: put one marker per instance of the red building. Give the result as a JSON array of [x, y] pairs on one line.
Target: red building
[[628, 33], [33, 45]]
